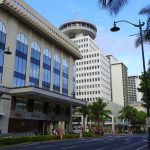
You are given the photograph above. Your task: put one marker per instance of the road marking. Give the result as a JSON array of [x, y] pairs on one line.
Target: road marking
[[144, 140], [96, 139], [43, 146], [127, 139], [68, 147], [127, 142], [100, 149], [141, 147]]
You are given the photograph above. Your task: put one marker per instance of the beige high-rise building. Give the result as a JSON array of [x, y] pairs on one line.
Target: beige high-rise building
[[118, 81], [38, 78]]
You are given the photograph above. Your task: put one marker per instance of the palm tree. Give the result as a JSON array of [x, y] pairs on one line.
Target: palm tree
[[146, 11], [99, 112], [128, 113], [84, 110], [114, 7]]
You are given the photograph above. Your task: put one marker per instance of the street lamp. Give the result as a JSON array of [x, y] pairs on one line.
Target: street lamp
[[6, 51], [140, 25]]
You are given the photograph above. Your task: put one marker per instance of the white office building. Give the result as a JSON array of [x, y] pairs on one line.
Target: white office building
[[93, 70]]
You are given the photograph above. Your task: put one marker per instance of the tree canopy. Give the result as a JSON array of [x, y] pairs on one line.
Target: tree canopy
[[133, 117], [142, 89]]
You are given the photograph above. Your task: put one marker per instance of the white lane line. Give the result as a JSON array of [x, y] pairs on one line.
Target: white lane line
[[127, 142], [100, 149], [43, 146], [68, 147], [144, 140], [96, 140], [142, 147]]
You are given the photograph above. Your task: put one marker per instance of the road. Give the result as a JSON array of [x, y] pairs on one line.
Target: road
[[107, 142]]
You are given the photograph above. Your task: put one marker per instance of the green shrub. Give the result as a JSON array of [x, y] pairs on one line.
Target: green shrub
[[19, 140], [88, 134], [13, 140], [71, 136]]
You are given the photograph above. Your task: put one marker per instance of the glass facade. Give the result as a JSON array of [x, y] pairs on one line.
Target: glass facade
[[21, 105], [20, 61], [46, 73], [56, 74], [64, 77], [74, 81], [34, 64], [2, 47]]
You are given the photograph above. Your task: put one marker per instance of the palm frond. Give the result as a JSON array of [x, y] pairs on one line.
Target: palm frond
[[104, 3], [113, 6], [145, 11], [146, 38]]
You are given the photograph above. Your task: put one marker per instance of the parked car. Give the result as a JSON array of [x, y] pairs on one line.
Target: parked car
[[77, 131]]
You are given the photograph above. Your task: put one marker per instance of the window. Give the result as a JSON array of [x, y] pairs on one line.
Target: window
[[2, 46], [64, 77], [20, 61], [21, 105], [56, 74], [46, 73], [34, 64]]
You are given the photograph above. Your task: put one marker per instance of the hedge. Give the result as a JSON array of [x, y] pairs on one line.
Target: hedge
[[39, 138], [25, 139]]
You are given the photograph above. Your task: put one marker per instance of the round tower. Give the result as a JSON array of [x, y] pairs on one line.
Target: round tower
[[76, 27]]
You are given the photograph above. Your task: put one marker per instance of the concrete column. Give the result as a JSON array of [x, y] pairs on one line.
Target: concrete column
[[61, 59], [8, 66], [70, 119], [28, 58], [70, 77], [113, 123], [41, 62], [52, 62], [5, 103]]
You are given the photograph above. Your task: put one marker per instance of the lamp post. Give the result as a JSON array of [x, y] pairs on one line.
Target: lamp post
[[140, 25]]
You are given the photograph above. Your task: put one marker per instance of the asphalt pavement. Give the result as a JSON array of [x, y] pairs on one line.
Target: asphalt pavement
[[107, 142]]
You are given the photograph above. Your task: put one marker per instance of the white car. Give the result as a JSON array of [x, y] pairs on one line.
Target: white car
[[77, 131]]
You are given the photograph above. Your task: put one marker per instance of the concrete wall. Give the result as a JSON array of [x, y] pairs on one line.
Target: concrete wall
[[5, 105]]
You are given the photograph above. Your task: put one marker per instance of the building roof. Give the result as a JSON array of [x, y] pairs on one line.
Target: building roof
[[32, 18], [74, 27]]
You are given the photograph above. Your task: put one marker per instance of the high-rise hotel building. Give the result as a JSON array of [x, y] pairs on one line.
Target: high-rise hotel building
[[133, 84], [93, 70], [119, 74], [38, 78]]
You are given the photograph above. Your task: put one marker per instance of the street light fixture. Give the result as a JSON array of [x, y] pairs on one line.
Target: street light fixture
[[140, 25], [7, 51]]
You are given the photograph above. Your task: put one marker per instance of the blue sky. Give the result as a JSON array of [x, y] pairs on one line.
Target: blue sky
[[120, 44]]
